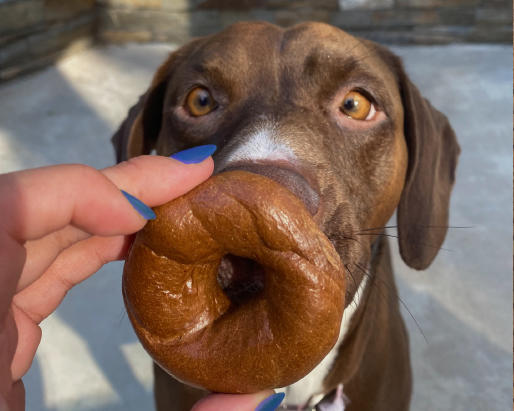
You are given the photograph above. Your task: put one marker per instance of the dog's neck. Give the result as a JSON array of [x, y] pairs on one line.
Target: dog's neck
[[310, 390], [376, 340]]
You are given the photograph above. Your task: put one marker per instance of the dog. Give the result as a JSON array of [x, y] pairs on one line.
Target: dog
[[336, 120]]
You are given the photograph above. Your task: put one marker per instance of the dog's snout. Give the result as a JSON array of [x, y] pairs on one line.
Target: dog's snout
[[289, 178]]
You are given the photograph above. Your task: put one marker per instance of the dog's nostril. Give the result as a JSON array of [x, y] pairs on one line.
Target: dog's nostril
[[240, 278]]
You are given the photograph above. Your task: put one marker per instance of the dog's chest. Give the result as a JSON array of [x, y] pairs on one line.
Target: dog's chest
[[310, 390]]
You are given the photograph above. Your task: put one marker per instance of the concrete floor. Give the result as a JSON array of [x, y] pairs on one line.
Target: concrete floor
[[90, 358]]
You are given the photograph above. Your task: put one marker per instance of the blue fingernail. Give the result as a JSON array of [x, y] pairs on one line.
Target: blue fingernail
[[194, 155], [140, 207], [271, 403]]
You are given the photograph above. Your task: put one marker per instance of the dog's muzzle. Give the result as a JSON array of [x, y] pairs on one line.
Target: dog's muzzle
[[288, 177]]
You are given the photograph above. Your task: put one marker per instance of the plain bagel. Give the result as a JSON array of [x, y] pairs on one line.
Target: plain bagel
[[235, 224]]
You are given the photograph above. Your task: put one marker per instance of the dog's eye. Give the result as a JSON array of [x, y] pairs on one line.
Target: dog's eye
[[199, 102], [357, 106]]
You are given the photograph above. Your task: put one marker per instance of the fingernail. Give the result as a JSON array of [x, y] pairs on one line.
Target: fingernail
[[194, 155], [271, 403], [140, 207]]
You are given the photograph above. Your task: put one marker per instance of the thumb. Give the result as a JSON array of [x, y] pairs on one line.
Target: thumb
[[261, 401]]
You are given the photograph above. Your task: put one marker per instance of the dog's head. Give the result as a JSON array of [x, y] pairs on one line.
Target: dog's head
[[332, 117]]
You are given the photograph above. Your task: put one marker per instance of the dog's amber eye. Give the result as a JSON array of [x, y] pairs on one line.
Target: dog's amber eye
[[200, 102], [356, 106]]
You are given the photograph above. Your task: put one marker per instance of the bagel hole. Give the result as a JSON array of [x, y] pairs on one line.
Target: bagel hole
[[241, 279]]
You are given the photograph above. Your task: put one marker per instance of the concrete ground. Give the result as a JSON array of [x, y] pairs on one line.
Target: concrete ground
[[90, 359]]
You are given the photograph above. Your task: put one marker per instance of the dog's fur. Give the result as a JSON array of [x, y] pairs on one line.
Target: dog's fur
[[278, 93]]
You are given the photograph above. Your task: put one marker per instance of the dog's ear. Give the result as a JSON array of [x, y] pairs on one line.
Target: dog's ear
[[139, 131], [433, 152], [432, 159]]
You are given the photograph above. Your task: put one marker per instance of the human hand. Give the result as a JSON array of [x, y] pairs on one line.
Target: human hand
[[58, 226]]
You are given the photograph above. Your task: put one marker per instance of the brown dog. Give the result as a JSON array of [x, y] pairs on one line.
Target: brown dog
[[336, 120]]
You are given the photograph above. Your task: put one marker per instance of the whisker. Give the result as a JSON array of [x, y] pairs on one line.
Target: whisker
[[365, 272], [122, 317], [382, 234], [350, 238], [351, 275], [355, 284], [420, 243], [422, 226], [378, 228], [447, 226]]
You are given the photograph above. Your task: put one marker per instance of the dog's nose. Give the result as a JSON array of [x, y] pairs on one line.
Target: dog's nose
[[286, 176]]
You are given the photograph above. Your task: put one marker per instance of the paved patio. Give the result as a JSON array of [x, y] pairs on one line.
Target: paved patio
[[90, 359]]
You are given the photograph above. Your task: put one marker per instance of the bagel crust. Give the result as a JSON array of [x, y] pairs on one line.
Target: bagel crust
[[189, 325]]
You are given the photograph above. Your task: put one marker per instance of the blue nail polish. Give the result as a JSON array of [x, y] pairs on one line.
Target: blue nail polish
[[194, 155], [271, 403], [140, 207]]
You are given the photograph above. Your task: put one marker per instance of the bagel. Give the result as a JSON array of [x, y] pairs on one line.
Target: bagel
[[178, 274]]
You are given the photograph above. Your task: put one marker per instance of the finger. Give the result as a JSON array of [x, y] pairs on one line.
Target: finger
[[72, 266], [14, 398], [229, 402], [12, 258], [155, 180], [34, 203], [29, 336], [9, 339], [41, 253]]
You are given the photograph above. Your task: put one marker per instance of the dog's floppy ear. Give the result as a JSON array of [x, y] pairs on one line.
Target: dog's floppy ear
[[139, 131], [432, 159]]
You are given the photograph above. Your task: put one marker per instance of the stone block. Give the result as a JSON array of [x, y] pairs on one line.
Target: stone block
[[44, 47], [492, 34], [219, 20], [418, 35], [35, 63], [249, 5], [440, 34], [493, 16], [365, 4], [20, 15], [222, 5], [14, 52], [205, 22], [46, 41], [499, 4], [24, 16], [140, 24], [133, 4], [57, 37], [436, 3], [286, 18], [456, 16], [309, 4], [181, 5], [322, 15], [352, 20], [404, 18], [58, 10], [167, 5]]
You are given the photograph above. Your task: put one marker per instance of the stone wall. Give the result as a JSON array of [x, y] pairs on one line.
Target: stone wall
[[388, 21], [34, 33]]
